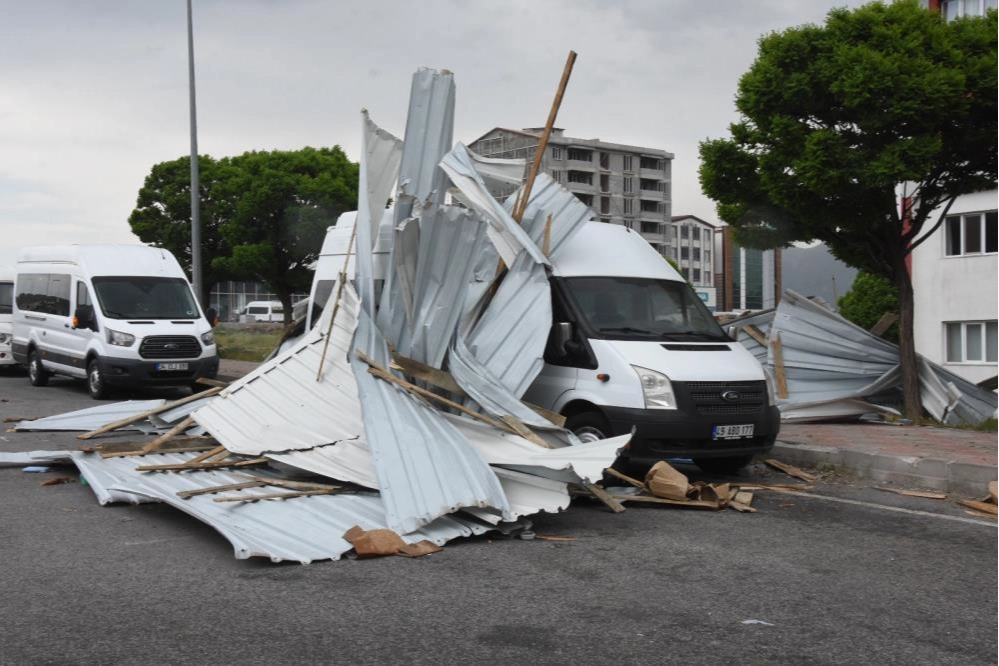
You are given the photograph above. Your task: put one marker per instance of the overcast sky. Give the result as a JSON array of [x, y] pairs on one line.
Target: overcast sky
[[94, 92]]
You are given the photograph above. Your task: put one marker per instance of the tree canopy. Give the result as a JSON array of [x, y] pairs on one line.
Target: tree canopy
[[842, 122], [264, 214]]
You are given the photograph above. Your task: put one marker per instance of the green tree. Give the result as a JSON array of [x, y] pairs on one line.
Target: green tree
[[883, 108], [285, 200], [870, 297]]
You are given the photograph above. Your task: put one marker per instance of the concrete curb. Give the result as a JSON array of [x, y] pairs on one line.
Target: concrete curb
[[906, 471]]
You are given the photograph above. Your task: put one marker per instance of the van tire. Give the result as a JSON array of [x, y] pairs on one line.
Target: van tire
[[37, 375], [729, 466], [588, 426], [95, 381]]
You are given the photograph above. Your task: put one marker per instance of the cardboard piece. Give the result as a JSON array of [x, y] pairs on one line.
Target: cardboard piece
[[992, 492], [419, 549], [374, 543], [664, 481]]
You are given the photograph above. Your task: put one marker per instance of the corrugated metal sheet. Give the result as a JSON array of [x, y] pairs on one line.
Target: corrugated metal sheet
[[94, 417], [27, 458], [280, 406], [303, 529]]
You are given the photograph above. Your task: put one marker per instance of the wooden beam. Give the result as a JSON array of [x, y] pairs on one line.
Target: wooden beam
[[168, 435], [546, 246], [273, 496], [755, 333], [336, 304], [208, 454], [604, 497], [180, 467], [554, 417], [983, 507], [149, 412], [185, 494], [521, 429], [781, 377], [887, 319], [176, 445], [791, 470], [428, 374], [618, 475]]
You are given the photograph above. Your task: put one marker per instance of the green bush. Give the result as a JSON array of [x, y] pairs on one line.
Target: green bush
[[870, 297]]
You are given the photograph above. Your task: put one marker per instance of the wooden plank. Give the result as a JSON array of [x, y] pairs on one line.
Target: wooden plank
[[168, 435], [521, 429], [887, 319], [428, 374], [624, 477], [984, 507], [604, 497], [781, 378], [116, 449], [913, 493], [740, 507], [211, 382], [755, 333], [779, 487], [149, 412], [791, 470], [185, 494], [546, 246], [208, 454], [179, 467], [649, 499], [273, 496], [170, 447], [554, 417]]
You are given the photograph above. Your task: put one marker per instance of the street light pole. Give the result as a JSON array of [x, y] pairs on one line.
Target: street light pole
[[195, 179]]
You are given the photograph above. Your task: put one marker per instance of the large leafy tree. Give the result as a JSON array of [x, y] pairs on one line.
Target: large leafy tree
[[869, 299], [861, 133], [263, 214], [285, 200]]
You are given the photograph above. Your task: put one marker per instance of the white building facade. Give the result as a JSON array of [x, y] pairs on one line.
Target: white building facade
[[955, 280]]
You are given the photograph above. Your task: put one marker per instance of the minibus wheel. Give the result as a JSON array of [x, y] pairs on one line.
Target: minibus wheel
[[95, 381], [588, 426], [36, 373]]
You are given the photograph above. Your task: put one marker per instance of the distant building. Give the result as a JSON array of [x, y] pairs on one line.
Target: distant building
[[626, 185], [693, 249], [751, 279]]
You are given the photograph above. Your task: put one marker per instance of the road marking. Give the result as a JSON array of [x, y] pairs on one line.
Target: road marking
[[872, 505]]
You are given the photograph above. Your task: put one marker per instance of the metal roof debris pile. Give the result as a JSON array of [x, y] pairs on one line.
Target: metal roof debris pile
[[405, 398], [825, 367]]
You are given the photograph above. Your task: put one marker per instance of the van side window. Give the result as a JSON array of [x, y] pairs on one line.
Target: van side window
[[44, 293], [82, 295]]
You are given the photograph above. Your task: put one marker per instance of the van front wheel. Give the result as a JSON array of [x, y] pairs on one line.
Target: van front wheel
[[36, 373], [95, 381], [588, 426]]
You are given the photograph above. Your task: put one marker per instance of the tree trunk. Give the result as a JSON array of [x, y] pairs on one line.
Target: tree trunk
[[285, 296], [907, 343]]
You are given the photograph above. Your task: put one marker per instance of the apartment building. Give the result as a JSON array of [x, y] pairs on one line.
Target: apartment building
[[693, 250], [627, 185], [750, 279]]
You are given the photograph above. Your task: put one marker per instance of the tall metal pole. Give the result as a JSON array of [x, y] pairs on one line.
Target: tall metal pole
[[195, 178]]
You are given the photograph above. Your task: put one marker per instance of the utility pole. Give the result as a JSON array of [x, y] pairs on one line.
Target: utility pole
[[195, 177]]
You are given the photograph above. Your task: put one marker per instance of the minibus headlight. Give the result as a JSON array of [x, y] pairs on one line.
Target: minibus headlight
[[656, 388], [208, 338], [4, 338], [771, 393], [119, 339]]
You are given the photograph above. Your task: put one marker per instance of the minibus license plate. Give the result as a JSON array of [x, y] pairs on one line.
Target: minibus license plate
[[732, 431], [171, 366]]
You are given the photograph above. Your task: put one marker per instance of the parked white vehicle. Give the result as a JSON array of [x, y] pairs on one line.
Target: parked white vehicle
[[262, 311], [631, 347], [6, 315], [116, 315]]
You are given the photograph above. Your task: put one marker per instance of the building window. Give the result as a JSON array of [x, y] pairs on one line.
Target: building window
[[707, 257], [652, 163], [556, 153], [696, 254], [650, 206], [972, 233], [580, 155], [970, 341], [650, 228], [695, 233], [585, 198], [953, 9], [629, 186], [697, 275], [604, 183], [604, 160], [684, 253], [605, 205], [684, 231], [581, 177], [628, 164], [629, 206], [557, 176]]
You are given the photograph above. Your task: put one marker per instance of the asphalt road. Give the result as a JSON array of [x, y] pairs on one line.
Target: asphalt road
[[843, 575]]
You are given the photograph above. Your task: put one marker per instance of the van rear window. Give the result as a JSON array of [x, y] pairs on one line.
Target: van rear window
[[135, 297]]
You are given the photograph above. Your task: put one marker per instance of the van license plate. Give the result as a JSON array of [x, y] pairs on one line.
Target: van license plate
[[160, 367], [732, 431]]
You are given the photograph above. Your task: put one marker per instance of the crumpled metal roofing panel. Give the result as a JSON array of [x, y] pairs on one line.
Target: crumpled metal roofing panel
[[94, 417], [303, 529], [280, 406], [26, 458]]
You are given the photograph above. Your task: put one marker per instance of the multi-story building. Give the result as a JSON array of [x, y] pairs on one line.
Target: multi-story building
[[693, 250], [627, 185], [750, 279], [955, 273]]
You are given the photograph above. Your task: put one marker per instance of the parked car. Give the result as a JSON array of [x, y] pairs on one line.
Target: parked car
[[115, 315]]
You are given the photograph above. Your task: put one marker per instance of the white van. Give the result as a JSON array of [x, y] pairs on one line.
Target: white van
[[262, 311], [6, 315], [631, 346], [119, 316]]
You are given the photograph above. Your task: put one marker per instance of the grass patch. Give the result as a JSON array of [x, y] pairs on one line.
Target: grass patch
[[246, 345], [988, 425]]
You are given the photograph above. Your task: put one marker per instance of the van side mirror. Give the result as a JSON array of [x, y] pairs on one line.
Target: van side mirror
[[83, 317], [563, 335], [212, 316]]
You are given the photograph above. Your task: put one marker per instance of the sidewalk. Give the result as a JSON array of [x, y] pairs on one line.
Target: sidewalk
[[944, 459]]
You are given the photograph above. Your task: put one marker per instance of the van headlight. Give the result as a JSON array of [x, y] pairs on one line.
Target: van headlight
[[4, 338], [771, 393], [119, 339], [656, 388], [208, 338]]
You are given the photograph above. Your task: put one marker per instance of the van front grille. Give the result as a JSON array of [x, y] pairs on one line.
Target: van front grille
[[170, 346], [727, 397]]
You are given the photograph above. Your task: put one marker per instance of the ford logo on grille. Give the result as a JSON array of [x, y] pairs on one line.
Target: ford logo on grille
[[171, 347], [730, 396]]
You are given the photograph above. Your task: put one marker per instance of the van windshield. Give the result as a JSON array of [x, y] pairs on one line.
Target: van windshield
[[133, 297], [620, 308], [6, 297]]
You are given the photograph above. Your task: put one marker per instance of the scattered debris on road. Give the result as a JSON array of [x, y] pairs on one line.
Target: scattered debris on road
[[914, 493], [791, 470]]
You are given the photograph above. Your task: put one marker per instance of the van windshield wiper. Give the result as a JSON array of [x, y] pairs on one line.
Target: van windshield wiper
[[700, 334], [626, 329]]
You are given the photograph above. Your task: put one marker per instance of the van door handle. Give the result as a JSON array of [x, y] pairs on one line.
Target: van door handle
[[34, 317]]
